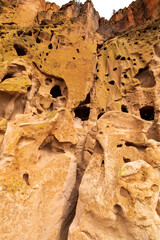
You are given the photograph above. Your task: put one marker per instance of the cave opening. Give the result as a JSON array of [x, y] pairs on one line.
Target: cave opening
[[21, 51], [38, 40], [100, 115], [124, 109], [147, 113], [8, 75], [111, 82], [82, 113], [56, 91], [50, 46]]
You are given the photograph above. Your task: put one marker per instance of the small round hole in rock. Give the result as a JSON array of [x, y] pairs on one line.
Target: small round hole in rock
[[111, 82], [50, 46], [125, 76], [118, 57], [147, 113], [114, 69]]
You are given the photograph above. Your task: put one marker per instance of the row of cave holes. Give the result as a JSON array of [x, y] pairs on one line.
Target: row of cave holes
[[122, 58], [22, 51], [146, 113]]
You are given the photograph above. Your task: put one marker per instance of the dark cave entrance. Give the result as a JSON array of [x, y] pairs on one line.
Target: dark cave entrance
[[147, 113], [82, 113], [124, 109], [21, 51], [56, 91]]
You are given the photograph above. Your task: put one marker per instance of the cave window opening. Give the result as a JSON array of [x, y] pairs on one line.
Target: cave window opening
[[147, 113], [8, 75], [102, 164], [126, 160], [100, 115], [50, 46], [124, 109], [19, 33], [56, 91], [125, 76], [29, 33], [26, 178], [82, 113], [99, 46], [118, 57], [155, 28], [38, 40], [21, 51], [123, 58], [111, 82], [114, 69], [119, 145]]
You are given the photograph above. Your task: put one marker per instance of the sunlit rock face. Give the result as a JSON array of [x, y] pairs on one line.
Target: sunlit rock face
[[79, 122]]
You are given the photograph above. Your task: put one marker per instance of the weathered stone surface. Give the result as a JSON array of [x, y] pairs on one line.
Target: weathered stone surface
[[79, 122], [121, 200]]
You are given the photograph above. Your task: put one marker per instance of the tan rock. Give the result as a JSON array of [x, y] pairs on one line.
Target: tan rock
[[79, 122]]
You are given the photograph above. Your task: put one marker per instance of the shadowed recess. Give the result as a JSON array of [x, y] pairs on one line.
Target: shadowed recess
[[147, 113], [56, 91]]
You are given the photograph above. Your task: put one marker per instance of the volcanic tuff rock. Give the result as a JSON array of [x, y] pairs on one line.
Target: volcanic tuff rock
[[79, 122]]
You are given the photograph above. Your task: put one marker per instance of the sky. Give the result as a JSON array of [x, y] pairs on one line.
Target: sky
[[104, 7]]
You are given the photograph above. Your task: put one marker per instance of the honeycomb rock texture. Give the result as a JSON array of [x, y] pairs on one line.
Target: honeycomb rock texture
[[79, 121]]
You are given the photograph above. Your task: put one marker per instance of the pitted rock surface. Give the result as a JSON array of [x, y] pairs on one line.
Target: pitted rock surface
[[79, 121]]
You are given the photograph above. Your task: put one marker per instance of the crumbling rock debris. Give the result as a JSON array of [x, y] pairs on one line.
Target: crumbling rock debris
[[79, 122]]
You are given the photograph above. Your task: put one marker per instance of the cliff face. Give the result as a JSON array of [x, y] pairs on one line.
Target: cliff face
[[79, 122], [138, 13]]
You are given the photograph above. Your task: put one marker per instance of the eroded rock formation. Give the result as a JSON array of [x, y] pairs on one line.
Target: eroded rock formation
[[79, 122]]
